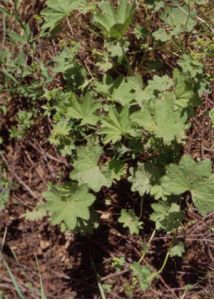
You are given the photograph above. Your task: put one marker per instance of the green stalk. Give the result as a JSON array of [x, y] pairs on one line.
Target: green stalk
[[163, 265], [130, 71], [148, 245]]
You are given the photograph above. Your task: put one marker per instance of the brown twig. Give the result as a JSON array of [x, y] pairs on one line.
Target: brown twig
[[19, 180]]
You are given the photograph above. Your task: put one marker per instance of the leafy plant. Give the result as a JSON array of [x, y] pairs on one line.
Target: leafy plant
[[115, 21], [57, 10], [129, 219], [66, 64], [68, 205], [24, 123], [118, 263], [178, 18], [143, 274], [162, 120], [211, 115], [195, 177], [117, 104], [116, 125], [167, 216], [4, 189], [177, 250]]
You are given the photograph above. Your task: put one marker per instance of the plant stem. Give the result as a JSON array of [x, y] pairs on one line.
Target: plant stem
[[188, 16], [148, 244], [164, 264], [130, 71], [99, 284], [3, 29], [69, 25]]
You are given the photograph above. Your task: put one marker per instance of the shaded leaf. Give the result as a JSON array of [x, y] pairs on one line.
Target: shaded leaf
[[57, 10], [162, 120], [166, 216], [144, 275], [114, 21], [67, 204], [129, 219], [195, 177], [116, 125]]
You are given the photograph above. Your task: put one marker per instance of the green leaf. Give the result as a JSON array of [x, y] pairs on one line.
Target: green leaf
[[195, 177], [67, 204], [129, 219], [116, 49], [116, 125], [177, 250], [144, 275], [85, 227], [84, 109], [66, 59], [126, 89], [166, 216], [37, 214], [155, 5], [211, 115], [155, 86], [160, 83], [114, 170], [184, 91], [122, 90], [140, 180], [190, 66], [161, 35], [144, 178], [179, 19], [72, 71], [118, 263], [86, 169], [4, 191], [4, 188], [60, 130], [162, 120], [57, 10], [114, 21]]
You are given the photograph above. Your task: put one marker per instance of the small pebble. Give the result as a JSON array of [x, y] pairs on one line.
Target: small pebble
[[44, 245]]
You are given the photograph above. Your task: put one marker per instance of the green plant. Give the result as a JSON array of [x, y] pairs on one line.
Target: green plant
[[68, 205], [122, 119], [24, 123], [4, 189], [126, 116], [129, 219], [211, 115], [144, 276], [114, 21], [118, 263], [58, 10]]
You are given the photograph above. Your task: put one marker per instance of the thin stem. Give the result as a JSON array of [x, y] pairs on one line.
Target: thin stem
[[4, 30], [141, 206], [25, 186], [126, 58], [4, 239], [148, 245], [99, 284], [188, 16], [42, 290], [69, 25], [164, 264]]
